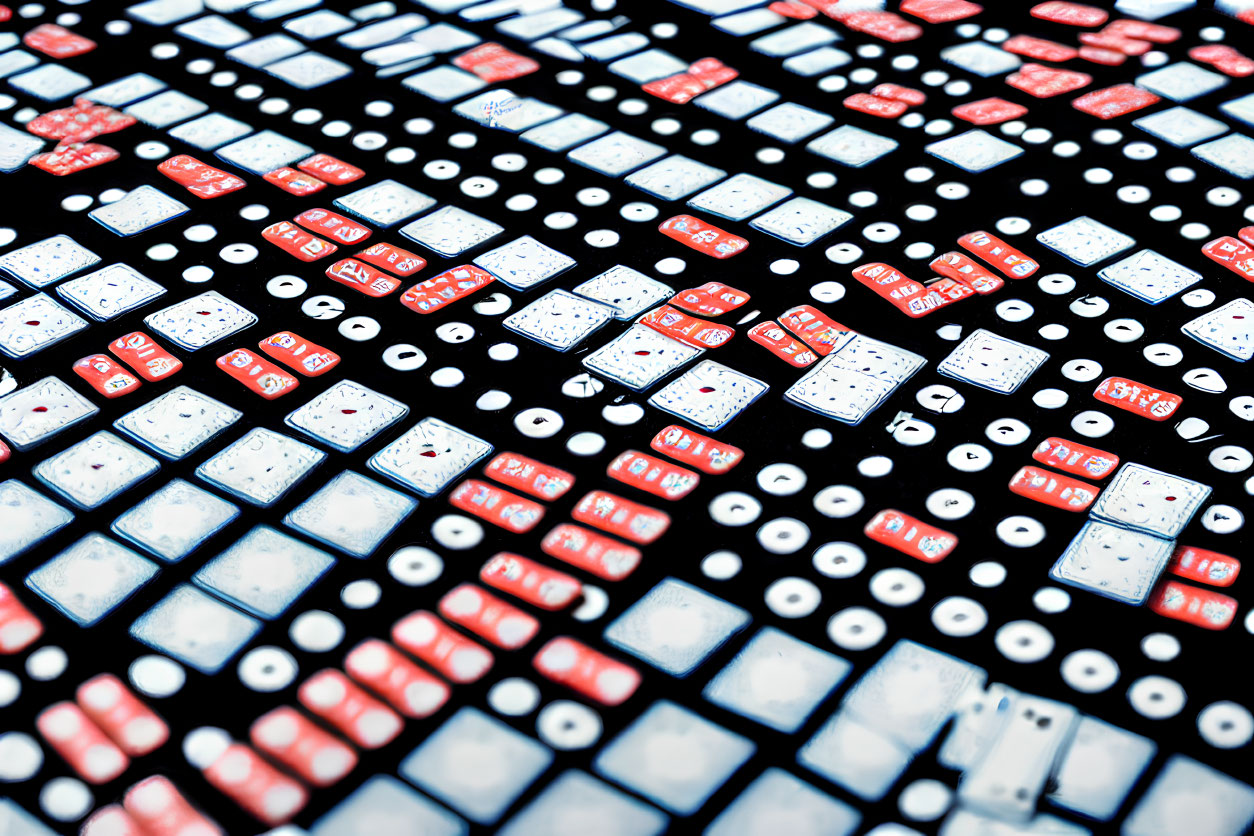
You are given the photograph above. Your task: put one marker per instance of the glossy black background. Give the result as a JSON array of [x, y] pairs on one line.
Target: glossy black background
[[1209, 666]]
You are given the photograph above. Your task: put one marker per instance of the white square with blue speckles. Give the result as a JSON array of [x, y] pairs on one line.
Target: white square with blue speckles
[[27, 517], [351, 513], [1113, 561], [1150, 500], [177, 422], [16, 147], [1085, 241], [50, 82], [675, 626], [777, 680], [1181, 81], [981, 58], [794, 39], [675, 177], [346, 415], [95, 470], [48, 261], [739, 197], [565, 132], [505, 110], [1149, 276], [616, 154], [851, 146], [647, 65], [309, 70], [213, 30], [211, 131], [628, 292], [35, 413], [140, 210], [778, 796], [476, 764], [265, 50], [110, 292], [568, 805], [643, 757], [817, 61], [91, 578], [195, 628], [709, 395], [736, 99], [263, 152], [559, 319], [1228, 329], [444, 83], [264, 572], [992, 362], [974, 151], [164, 109], [640, 357], [789, 122], [524, 263], [261, 466], [429, 456], [1181, 126], [385, 203], [175, 520], [1241, 108], [801, 221], [382, 804], [126, 90], [1233, 153], [451, 231], [200, 321]]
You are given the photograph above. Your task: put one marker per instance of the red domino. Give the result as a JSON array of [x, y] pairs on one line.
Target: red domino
[[121, 715], [385, 670], [457, 657], [589, 672], [532, 582], [488, 616], [335, 698], [297, 743]]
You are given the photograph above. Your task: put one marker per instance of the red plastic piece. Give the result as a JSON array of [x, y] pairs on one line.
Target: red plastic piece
[[455, 656], [696, 450], [532, 582], [529, 476], [910, 536], [590, 551], [386, 671], [589, 672], [622, 517]]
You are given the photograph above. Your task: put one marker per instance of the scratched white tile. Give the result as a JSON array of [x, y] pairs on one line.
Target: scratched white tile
[[640, 357], [451, 231], [709, 395], [35, 413], [261, 466], [48, 261], [346, 415], [177, 422], [200, 321], [385, 203], [34, 323], [429, 455], [27, 517], [110, 292], [95, 470], [140, 210], [352, 514], [524, 263]]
